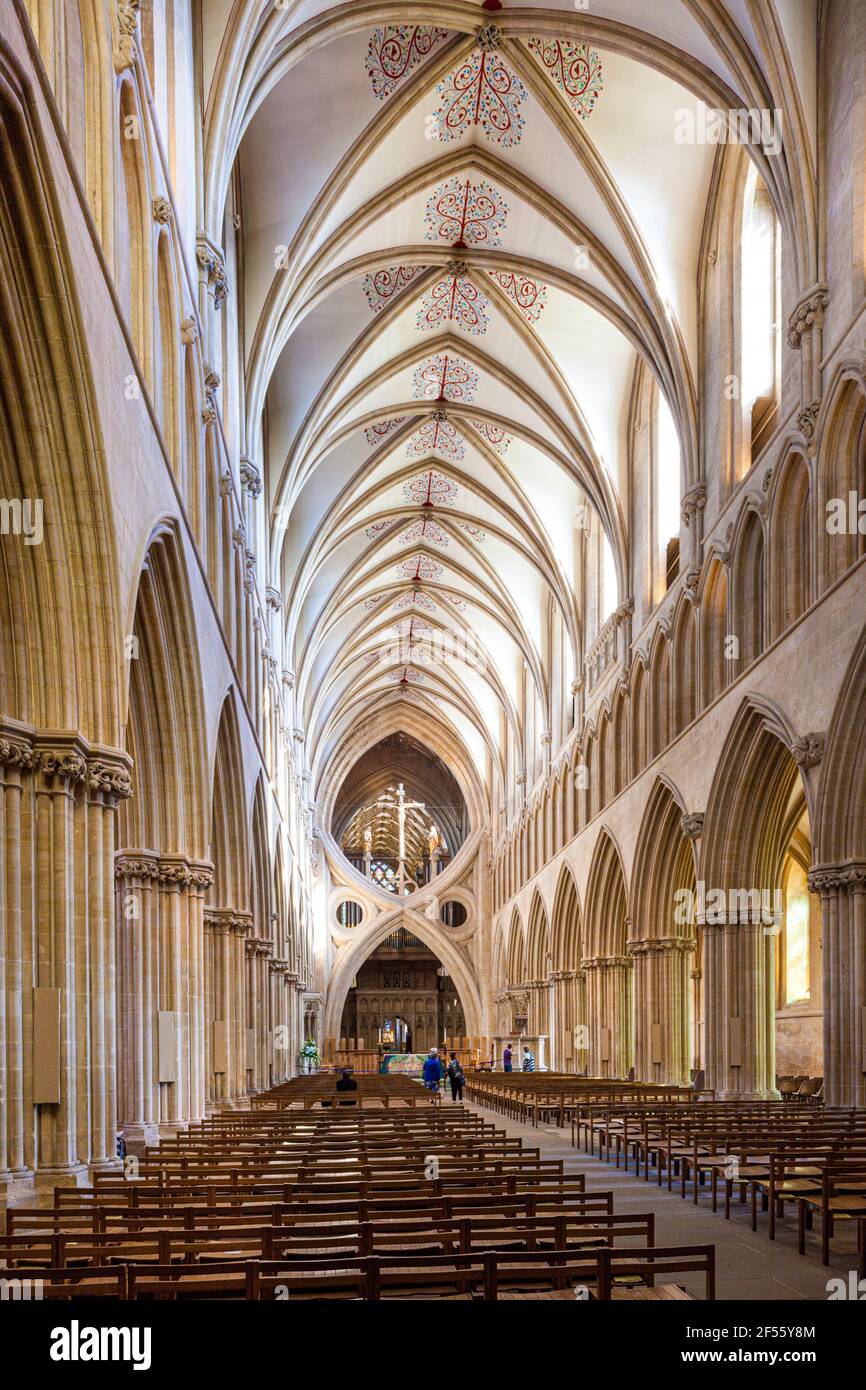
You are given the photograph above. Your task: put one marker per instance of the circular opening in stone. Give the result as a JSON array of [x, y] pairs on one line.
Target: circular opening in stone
[[349, 913], [453, 913]]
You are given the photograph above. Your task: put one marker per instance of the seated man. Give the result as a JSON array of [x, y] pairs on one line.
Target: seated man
[[347, 1082]]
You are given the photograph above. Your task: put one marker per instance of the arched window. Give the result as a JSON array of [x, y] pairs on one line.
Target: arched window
[[667, 493], [796, 983], [609, 588], [760, 311]]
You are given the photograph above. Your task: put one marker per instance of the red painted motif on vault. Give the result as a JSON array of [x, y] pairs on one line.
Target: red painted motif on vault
[[437, 436], [374, 434], [431, 489], [378, 527], [374, 601], [394, 51], [456, 602], [426, 530], [574, 67], [419, 567], [454, 300], [462, 213], [406, 675], [445, 378], [496, 437], [383, 286], [416, 599], [474, 533], [530, 296], [413, 629], [482, 92]]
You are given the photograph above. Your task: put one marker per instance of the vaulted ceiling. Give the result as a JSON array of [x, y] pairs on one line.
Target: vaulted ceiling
[[464, 224]]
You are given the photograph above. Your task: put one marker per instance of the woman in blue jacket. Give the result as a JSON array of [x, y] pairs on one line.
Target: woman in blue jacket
[[432, 1071]]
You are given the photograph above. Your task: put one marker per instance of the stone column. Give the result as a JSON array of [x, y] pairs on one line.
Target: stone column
[[739, 1004], [563, 1020], [609, 1015], [661, 1008], [842, 888], [16, 767]]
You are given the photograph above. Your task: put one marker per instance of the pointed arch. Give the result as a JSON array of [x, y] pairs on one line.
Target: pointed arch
[[609, 1003], [790, 532], [749, 590], [662, 941]]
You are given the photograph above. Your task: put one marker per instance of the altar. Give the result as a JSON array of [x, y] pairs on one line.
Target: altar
[[402, 1063]]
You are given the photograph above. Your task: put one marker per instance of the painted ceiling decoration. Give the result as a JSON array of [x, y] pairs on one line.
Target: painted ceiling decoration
[[431, 489], [482, 93], [483, 395], [436, 436], [574, 67], [530, 296], [465, 214], [413, 628], [494, 434], [455, 300], [383, 286], [445, 378], [419, 567], [415, 599], [379, 527], [374, 434], [426, 530], [406, 675], [394, 51]]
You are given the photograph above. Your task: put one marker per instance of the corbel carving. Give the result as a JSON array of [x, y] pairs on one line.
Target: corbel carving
[[213, 262], [808, 750]]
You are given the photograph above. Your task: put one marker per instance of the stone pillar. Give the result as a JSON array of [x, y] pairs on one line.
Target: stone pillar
[[842, 888], [58, 803], [739, 1004], [661, 1009], [16, 767], [609, 1015]]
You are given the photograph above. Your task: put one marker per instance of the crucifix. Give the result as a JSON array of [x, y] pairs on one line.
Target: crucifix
[[402, 807]]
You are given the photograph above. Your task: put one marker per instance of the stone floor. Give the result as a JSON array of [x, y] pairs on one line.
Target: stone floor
[[748, 1264]]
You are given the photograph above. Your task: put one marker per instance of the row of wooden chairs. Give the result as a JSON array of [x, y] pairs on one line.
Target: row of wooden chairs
[[488, 1275], [341, 1203], [553, 1098], [812, 1161]]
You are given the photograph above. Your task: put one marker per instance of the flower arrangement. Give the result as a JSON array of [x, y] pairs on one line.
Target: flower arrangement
[[310, 1055]]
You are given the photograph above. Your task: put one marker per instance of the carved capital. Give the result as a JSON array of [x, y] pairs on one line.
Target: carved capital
[[251, 478], [188, 330], [109, 778], [64, 765], [162, 211], [15, 751], [212, 261], [273, 598], [693, 501], [808, 314]]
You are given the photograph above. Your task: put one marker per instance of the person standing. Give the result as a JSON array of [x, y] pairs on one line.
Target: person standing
[[433, 1071], [528, 1059], [455, 1075], [507, 1058]]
